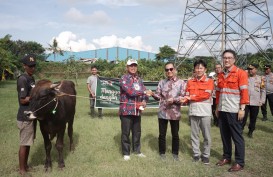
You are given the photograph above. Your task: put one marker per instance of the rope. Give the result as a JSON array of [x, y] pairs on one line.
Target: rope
[[65, 94], [54, 99]]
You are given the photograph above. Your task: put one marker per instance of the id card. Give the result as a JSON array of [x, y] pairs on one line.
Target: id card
[[136, 86]]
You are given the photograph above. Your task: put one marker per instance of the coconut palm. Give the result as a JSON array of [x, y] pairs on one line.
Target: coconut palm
[[55, 49]]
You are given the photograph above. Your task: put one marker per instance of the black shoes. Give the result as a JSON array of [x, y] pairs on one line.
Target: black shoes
[[249, 134], [205, 160], [196, 158]]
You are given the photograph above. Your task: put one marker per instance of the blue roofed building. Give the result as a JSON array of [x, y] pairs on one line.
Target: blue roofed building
[[110, 54]]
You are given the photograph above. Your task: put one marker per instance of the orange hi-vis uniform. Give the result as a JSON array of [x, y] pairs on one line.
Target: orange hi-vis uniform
[[232, 90], [200, 92]]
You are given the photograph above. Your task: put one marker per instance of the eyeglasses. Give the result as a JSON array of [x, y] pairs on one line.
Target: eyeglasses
[[170, 69]]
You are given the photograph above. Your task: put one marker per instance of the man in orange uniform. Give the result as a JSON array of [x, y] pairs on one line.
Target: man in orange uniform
[[231, 99], [198, 94]]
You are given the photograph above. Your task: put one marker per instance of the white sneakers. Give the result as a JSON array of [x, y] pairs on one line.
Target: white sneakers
[[126, 157], [141, 155]]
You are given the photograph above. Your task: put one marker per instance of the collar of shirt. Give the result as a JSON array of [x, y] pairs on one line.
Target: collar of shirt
[[172, 79], [231, 69], [202, 79], [134, 77]]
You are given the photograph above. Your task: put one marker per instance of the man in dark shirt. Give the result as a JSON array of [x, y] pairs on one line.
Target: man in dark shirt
[[25, 83]]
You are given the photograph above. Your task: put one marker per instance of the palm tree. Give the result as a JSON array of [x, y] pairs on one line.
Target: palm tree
[[55, 49]]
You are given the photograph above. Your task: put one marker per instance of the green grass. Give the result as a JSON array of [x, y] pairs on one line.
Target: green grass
[[98, 150]]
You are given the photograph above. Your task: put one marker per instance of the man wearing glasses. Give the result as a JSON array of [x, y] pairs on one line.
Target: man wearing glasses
[[169, 92], [256, 92], [231, 99], [268, 79]]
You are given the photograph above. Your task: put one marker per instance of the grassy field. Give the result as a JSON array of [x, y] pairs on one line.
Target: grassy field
[[98, 150]]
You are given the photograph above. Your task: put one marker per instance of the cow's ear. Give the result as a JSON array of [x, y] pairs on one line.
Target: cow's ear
[[55, 84], [44, 93]]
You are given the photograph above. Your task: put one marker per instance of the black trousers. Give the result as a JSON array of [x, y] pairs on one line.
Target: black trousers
[[163, 124], [92, 107], [231, 128], [269, 97], [253, 112], [213, 109], [130, 123]]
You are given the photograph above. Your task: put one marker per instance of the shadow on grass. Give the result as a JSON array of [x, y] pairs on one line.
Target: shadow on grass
[[216, 154], [105, 113], [152, 141], [149, 112], [264, 128], [117, 140], [184, 147], [39, 156]]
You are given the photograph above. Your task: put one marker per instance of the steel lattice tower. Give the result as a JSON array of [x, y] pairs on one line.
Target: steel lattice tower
[[216, 25]]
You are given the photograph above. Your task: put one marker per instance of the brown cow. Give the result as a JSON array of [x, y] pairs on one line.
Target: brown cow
[[54, 106]]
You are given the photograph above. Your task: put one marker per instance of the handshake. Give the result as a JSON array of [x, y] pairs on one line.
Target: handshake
[[184, 99], [149, 92]]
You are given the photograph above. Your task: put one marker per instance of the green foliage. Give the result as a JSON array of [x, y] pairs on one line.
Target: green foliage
[[12, 51], [165, 53], [72, 68]]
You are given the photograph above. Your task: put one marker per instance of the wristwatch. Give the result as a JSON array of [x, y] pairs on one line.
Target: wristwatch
[[242, 109]]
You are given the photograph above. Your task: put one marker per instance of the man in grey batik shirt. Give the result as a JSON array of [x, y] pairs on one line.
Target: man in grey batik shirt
[[169, 92]]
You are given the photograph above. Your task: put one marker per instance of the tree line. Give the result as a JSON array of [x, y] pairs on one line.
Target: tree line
[[153, 70]]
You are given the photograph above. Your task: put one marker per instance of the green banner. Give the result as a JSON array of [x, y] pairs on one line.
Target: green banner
[[108, 92]]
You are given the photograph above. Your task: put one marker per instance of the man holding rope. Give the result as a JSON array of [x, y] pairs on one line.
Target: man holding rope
[[25, 83], [132, 101]]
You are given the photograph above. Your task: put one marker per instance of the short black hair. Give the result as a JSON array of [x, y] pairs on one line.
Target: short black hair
[[218, 63], [94, 66], [168, 63], [200, 62], [230, 51]]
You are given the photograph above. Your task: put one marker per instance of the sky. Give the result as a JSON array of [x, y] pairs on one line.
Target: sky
[[80, 25]]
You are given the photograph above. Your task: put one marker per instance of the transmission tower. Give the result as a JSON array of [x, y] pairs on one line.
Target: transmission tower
[[211, 26]]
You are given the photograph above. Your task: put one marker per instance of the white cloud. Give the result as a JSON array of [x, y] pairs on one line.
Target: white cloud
[[96, 18], [127, 42], [69, 41], [117, 2]]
